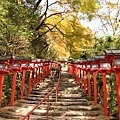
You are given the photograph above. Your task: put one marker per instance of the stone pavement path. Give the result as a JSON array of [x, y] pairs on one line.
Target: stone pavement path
[[72, 103]]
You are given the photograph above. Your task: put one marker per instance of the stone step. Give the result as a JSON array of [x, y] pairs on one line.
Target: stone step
[[74, 103], [70, 100], [73, 118], [11, 115], [76, 118], [73, 107], [64, 103], [72, 96], [40, 92], [7, 119], [70, 113], [53, 97], [58, 106]]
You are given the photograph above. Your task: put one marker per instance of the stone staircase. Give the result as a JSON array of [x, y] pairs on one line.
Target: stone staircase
[[72, 103]]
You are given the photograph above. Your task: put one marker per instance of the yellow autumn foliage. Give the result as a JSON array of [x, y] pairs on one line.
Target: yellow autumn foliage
[[75, 38]]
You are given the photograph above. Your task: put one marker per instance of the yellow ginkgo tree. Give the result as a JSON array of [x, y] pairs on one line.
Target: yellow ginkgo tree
[[69, 38]]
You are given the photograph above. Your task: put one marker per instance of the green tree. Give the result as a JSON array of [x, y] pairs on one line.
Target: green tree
[[16, 28]]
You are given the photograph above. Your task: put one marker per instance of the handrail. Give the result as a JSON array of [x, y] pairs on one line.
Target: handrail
[[40, 102]]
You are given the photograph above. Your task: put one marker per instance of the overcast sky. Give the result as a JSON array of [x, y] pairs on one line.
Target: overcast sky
[[95, 24]]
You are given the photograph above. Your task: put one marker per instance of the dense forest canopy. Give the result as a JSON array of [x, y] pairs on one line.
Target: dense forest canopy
[[52, 29]]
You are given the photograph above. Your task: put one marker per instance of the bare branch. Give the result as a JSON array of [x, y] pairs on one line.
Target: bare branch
[[47, 9], [103, 25], [53, 3], [50, 29], [46, 18], [59, 13], [37, 4], [44, 47], [55, 26]]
